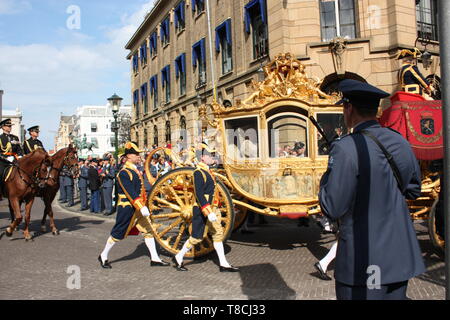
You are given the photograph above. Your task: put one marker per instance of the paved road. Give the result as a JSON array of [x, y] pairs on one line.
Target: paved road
[[276, 263]]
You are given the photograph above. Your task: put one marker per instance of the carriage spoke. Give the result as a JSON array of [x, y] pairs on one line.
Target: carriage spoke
[[167, 203], [166, 215], [180, 234], [177, 198], [172, 225]]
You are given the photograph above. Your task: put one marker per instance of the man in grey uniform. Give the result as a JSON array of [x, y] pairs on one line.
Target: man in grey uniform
[[377, 251]]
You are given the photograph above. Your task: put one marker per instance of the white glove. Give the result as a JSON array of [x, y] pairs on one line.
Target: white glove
[[10, 158], [212, 217], [145, 212]]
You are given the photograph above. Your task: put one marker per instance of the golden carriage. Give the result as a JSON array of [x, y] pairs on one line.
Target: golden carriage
[[257, 170], [271, 156]]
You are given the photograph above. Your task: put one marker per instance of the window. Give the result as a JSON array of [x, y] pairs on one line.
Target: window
[[155, 136], [180, 20], [168, 132], [333, 126], [144, 97], [242, 138], [256, 16], [165, 31], [93, 127], [180, 70], [94, 142], [112, 140], [92, 112], [426, 14], [198, 5], [337, 19], [143, 53], [135, 62], [166, 81], [198, 56], [223, 40], [154, 90], [287, 136], [153, 44], [136, 102]]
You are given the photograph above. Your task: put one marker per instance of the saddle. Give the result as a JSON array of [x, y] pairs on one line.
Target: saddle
[[5, 169]]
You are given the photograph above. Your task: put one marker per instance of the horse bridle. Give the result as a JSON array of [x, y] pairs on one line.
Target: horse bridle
[[34, 178], [58, 170]]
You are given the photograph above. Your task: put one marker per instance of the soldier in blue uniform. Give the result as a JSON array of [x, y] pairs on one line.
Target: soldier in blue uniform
[[67, 183], [410, 78], [83, 185], [204, 214], [108, 174], [377, 251], [33, 142], [131, 209]]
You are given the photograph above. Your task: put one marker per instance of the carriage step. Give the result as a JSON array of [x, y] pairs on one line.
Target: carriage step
[[293, 211]]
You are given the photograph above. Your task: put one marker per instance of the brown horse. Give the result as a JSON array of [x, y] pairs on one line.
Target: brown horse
[[26, 177], [64, 157]]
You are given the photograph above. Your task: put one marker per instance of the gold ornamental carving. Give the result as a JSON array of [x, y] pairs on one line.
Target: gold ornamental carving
[[285, 78]]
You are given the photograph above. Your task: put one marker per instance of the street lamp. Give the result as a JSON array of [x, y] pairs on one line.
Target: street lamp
[[115, 102]]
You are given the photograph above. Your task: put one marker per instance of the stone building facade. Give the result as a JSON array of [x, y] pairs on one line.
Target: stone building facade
[[170, 54], [65, 129]]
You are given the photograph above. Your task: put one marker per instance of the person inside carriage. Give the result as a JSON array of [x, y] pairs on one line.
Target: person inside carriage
[[410, 78]]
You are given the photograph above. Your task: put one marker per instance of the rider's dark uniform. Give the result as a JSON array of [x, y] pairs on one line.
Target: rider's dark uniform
[[9, 143], [32, 144]]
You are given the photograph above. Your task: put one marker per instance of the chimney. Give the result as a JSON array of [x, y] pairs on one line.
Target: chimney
[[1, 103]]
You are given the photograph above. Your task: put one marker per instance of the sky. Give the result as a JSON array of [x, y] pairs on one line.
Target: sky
[[57, 55]]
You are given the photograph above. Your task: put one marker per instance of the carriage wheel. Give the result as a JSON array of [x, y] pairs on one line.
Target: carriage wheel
[[240, 214], [436, 240], [171, 201]]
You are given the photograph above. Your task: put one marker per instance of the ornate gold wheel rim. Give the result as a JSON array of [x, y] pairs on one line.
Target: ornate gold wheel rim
[[171, 201], [437, 240]]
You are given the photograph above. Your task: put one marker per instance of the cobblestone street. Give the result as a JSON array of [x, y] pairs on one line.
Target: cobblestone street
[[276, 263]]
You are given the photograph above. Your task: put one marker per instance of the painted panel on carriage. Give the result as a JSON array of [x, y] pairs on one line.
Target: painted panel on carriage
[[275, 185]]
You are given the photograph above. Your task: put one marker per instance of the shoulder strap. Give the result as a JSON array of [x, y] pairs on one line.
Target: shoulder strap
[[389, 158]]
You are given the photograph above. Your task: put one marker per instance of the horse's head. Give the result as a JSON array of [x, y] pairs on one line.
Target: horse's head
[[43, 172], [37, 166]]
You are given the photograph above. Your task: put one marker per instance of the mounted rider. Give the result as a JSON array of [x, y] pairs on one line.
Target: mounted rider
[[33, 142], [10, 148]]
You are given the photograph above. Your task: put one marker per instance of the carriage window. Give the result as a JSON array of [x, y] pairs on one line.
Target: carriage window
[[333, 126], [288, 137], [242, 138]]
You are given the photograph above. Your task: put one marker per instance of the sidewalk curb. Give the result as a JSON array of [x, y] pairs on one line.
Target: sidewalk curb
[[75, 209]]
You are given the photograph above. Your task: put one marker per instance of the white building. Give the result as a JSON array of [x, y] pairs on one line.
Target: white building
[[16, 119], [93, 125]]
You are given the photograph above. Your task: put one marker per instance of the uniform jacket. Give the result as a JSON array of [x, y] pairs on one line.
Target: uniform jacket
[[83, 179], [67, 177], [32, 144], [131, 187], [110, 174], [10, 145], [360, 190], [204, 186], [411, 79]]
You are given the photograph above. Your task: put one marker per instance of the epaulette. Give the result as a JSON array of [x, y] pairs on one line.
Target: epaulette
[[127, 171]]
